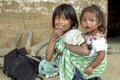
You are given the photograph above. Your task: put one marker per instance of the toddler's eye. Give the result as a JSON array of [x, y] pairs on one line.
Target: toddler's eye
[[83, 19], [91, 20]]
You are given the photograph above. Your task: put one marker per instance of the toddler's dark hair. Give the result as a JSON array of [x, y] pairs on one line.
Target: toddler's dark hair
[[99, 15]]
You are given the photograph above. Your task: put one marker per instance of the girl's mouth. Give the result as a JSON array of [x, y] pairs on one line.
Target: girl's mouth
[[61, 26]]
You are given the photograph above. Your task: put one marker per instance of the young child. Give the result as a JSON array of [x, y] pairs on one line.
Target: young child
[[65, 24], [93, 22]]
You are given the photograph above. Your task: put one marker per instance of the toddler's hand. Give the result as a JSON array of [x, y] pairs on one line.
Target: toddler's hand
[[89, 70]]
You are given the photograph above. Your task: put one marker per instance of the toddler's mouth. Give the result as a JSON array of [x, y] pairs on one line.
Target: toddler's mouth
[[87, 27]]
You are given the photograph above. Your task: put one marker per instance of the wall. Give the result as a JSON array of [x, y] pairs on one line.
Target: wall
[[22, 16], [45, 6]]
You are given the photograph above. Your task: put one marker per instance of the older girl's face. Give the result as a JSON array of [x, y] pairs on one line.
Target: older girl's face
[[61, 22], [89, 22]]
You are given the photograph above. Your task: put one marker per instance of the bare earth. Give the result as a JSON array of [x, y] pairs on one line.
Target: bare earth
[[111, 73], [40, 25]]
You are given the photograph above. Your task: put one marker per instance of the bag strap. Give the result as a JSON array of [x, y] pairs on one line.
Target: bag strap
[[31, 57]]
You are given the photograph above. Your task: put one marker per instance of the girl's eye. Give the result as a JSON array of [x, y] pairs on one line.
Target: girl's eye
[[56, 17], [83, 19], [66, 18]]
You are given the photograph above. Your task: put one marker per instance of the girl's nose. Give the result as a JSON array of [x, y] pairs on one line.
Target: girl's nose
[[61, 21]]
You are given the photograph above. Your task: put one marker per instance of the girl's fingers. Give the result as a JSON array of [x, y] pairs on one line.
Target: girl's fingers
[[58, 32]]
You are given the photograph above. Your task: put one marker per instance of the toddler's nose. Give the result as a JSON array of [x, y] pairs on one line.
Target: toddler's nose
[[87, 22]]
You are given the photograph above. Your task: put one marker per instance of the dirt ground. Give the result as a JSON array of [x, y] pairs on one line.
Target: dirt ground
[[12, 24]]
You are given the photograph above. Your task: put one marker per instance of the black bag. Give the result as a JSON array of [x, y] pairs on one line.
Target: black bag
[[18, 66]]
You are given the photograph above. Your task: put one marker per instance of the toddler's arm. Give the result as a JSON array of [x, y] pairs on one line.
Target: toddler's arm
[[80, 50], [99, 58]]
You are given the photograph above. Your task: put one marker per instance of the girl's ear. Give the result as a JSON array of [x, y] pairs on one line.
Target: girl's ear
[[72, 24]]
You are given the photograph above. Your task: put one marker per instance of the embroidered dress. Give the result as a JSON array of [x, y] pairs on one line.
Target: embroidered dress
[[70, 60], [98, 43]]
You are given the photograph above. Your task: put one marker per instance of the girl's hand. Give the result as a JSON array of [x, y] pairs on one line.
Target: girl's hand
[[57, 32], [89, 70]]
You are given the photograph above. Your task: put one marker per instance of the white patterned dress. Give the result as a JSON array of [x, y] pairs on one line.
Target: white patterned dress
[[74, 37]]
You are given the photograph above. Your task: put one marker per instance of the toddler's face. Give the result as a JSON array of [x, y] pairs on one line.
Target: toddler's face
[[89, 22], [61, 22]]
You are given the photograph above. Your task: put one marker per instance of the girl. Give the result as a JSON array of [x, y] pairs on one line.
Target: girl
[[65, 24], [93, 22]]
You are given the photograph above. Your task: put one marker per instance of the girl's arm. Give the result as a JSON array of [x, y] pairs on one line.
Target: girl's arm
[[50, 49], [51, 45], [80, 50], [99, 58]]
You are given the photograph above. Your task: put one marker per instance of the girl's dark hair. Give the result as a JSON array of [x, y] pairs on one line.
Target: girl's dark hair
[[69, 13], [99, 15]]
